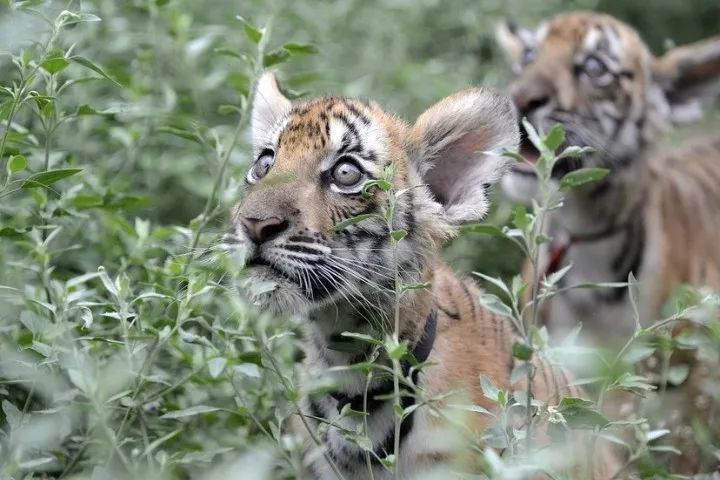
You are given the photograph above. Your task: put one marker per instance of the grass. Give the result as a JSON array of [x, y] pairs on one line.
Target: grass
[[126, 350]]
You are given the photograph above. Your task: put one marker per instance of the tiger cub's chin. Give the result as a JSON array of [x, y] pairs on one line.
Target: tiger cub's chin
[[271, 292]]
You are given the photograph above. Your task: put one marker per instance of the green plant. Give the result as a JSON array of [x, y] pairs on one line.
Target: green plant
[[126, 351]]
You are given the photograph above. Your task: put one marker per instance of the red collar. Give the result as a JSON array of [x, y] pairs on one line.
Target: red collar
[[559, 249]]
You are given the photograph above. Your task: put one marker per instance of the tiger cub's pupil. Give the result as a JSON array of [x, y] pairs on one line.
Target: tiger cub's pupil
[[346, 174]]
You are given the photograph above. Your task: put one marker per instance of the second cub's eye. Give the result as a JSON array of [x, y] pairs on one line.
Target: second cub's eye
[[346, 173], [594, 67]]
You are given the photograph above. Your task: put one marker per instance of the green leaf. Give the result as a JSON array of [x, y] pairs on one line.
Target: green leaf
[[339, 227], [275, 57], [582, 176], [396, 350], [655, 434], [472, 408], [521, 219], [301, 48], [555, 277], [13, 232], [87, 201], [389, 461], [633, 383], [383, 185], [575, 152], [634, 294], [229, 110], [495, 305], [362, 337], [248, 370], [95, 68], [253, 33], [398, 235], [216, 366], [522, 351], [182, 133], [55, 62], [555, 138], [43, 179], [86, 109], [495, 281], [361, 441], [489, 390], [13, 415], [482, 228], [514, 155], [189, 412], [17, 163], [581, 413]]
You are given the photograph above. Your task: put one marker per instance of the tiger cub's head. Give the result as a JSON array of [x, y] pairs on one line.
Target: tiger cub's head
[[312, 163], [594, 75]]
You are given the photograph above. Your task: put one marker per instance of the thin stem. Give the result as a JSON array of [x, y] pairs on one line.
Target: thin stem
[[368, 460], [397, 370], [205, 215]]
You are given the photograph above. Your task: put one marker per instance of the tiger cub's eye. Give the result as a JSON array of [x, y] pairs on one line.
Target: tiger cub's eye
[[346, 174], [594, 67]]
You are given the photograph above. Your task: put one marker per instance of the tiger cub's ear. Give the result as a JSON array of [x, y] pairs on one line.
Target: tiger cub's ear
[[458, 141], [518, 43], [269, 106], [690, 77]]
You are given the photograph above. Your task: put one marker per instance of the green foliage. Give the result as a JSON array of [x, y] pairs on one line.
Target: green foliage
[[126, 350]]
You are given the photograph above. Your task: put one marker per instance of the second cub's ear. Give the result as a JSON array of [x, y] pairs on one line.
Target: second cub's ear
[[459, 140], [690, 78], [518, 43], [269, 106]]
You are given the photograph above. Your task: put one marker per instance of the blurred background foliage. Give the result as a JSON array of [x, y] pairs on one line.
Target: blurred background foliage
[[151, 122]]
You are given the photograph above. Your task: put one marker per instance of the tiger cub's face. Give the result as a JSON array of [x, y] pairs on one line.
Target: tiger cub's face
[[312, 163], [594, 75]]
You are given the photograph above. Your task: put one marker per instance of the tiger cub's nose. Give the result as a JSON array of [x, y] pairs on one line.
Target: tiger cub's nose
[[261, 230]]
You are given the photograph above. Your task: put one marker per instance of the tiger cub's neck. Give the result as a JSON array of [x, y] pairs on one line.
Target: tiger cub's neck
[[604, 206], [374, 315]]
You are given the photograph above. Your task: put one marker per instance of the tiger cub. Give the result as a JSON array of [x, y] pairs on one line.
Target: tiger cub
[[313, 161], [657, 214]]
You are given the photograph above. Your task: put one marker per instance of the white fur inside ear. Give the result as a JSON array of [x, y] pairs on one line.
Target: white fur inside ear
[[269, 107], [463, 137]]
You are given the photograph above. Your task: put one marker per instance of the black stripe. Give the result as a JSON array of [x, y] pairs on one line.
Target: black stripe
[[453, 315], [472, 301], [348, 125], [315, 409], [361, 116]]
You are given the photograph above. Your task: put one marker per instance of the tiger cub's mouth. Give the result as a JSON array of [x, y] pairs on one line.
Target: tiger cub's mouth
[[528, 151]]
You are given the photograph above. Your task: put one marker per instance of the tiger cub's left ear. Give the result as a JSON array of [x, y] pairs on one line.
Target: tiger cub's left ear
[[269, 106], [689, 75], [459, 140]]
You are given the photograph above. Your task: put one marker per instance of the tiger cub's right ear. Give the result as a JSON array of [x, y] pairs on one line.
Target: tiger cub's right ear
[[269, 106], [459, 142]]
